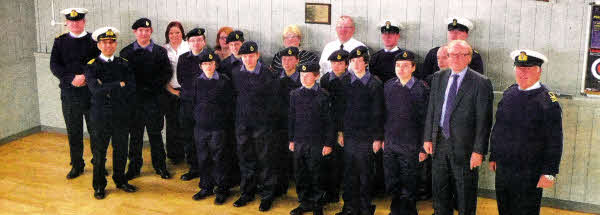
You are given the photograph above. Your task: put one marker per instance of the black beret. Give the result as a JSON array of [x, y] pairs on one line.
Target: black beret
[[290, 51], [235, 36], [142, 22], [405, 55], [339, 55], [361, 51], [195, 32], [248, 48], [308, 67], [207, 56]]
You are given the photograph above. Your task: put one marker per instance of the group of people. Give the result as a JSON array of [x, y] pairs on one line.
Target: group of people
[[350, 119]]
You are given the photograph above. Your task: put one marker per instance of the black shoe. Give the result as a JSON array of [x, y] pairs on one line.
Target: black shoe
[[99, 194], [265, 205], [189, 176], [300, 210], [331, 198], [164, 174], [75, 172], [175, 161], [105, 172], [318, 211], [131, 174], [202, 194], [221, 198], [243, 200], [127, 187]]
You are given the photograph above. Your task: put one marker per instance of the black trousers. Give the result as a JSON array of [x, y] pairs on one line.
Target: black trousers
[[285, 162], [147, 115], [401, 176], [516, 192], [332, 170], [447, 173], [211, 149], [308, 158], [75, 107], [256, 151], [107, 127], [358, 173], [174, 145], [186, 125]]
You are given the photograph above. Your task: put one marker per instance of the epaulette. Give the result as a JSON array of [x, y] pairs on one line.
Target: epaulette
[[91, 61]]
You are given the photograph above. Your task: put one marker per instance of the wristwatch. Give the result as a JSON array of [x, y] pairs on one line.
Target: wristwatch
[[549, 177]]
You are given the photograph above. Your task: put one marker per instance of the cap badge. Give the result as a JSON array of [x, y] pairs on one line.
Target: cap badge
[[110, 33], [454, 22], [339, 57], [147, 23], [73, 13], [237, 37], [251, 48], [358, 52], [523, 56], [289, 51], [405, 55], [210, 56], [303, 68], [387, 24]]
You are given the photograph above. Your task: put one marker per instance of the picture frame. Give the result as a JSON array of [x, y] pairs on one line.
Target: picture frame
[[317, 13]]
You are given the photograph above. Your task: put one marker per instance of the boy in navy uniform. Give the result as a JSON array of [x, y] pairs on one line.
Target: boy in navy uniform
[[289, 78], [212, 98], [405, 106], [311, 137], [333, 165], [70, 52], [234, 40], [153, 71], [362, 133], [188, 70], [112, 85], [527, 139], [257, 106]]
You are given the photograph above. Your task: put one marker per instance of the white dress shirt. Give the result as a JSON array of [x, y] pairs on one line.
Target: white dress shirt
[[174, 57], [332, 47]]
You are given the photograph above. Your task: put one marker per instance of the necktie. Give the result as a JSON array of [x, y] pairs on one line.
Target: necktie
[[449, 103], [342, 47], [109, 60]]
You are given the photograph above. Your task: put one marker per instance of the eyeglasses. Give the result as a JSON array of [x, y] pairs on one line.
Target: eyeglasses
[[344, 27], [458, 55], [222, 38], [290, 37]]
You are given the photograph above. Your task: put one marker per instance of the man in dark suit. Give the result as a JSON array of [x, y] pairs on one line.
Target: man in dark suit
[[457, 129]]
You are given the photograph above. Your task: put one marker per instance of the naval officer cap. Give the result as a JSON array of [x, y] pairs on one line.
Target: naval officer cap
[[459, 23], [527, 58], [390, 26], [74, 14], [105, 33]]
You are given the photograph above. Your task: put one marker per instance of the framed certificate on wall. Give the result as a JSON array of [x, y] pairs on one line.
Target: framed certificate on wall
[[317, 13]]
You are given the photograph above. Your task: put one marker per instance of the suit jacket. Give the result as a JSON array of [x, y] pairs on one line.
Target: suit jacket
[[471, 119]]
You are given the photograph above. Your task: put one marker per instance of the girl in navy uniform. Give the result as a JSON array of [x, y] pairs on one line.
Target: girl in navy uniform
[[405, 106]]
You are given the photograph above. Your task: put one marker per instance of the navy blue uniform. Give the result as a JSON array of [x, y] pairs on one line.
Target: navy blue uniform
[[287, 84], [224, 67], [68, 58], [405, 114], [257, 109], [111, 107], [383, 65], [310, 129], [153, 71], [526, 142], [362, 124], [334, 164], [430, 65], [188, 69], [212, 109]]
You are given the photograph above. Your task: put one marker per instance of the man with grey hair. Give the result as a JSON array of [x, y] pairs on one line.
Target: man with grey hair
[[344, 28]]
